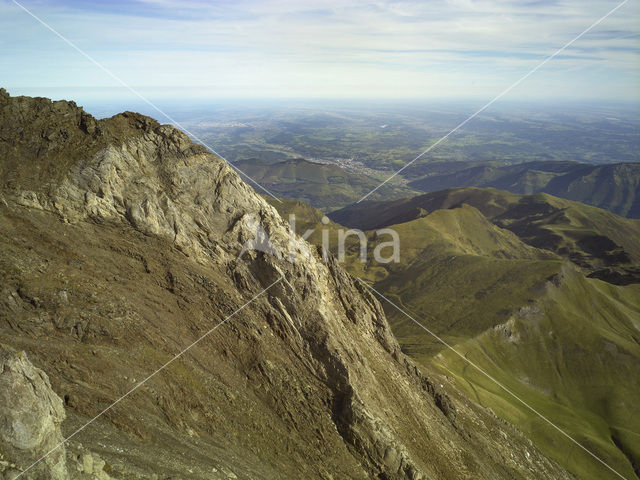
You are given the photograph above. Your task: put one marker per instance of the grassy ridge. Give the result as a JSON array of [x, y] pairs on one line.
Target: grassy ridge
[[573, 356], [599, 242]]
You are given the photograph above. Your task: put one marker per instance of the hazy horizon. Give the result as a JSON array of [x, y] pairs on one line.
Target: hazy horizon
[[105, 105]]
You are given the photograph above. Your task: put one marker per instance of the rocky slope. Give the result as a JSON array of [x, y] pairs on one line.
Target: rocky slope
[[120, 243]]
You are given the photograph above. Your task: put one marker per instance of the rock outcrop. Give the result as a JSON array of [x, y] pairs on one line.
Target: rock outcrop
[[30, 418], [131, 252]]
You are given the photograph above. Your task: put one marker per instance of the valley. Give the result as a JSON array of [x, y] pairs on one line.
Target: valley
[[331, 156]]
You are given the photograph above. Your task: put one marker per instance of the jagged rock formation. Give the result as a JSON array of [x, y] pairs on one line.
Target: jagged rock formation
[[122, 240]]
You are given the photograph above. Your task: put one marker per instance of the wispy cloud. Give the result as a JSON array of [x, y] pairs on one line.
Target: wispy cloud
[[333, 48]]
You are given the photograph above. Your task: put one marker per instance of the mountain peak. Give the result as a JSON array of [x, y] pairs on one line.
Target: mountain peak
[[41, 139]]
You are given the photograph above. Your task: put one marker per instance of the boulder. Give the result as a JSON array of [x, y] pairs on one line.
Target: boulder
[[30, 418]]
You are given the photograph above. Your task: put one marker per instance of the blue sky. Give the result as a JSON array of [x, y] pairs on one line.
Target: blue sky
[[334, 49]]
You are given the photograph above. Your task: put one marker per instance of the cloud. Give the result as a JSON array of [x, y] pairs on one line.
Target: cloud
[[337, 48]]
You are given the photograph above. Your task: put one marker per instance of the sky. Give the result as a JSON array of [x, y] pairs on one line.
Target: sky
[[440, 49]]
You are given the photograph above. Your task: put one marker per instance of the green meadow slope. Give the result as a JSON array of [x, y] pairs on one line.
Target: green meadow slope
[[504, 278], [573, 355]]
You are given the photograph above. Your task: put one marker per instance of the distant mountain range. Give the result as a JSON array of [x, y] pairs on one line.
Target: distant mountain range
[[614, 187]]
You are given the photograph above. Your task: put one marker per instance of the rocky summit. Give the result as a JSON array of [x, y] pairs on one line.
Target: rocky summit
[[120, 250]]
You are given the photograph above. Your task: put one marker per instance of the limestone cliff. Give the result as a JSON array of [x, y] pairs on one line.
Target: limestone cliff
[[122, 240]]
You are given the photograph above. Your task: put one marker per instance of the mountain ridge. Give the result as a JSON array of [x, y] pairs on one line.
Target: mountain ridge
[[614, 187], [598, 241], [122, 249]]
